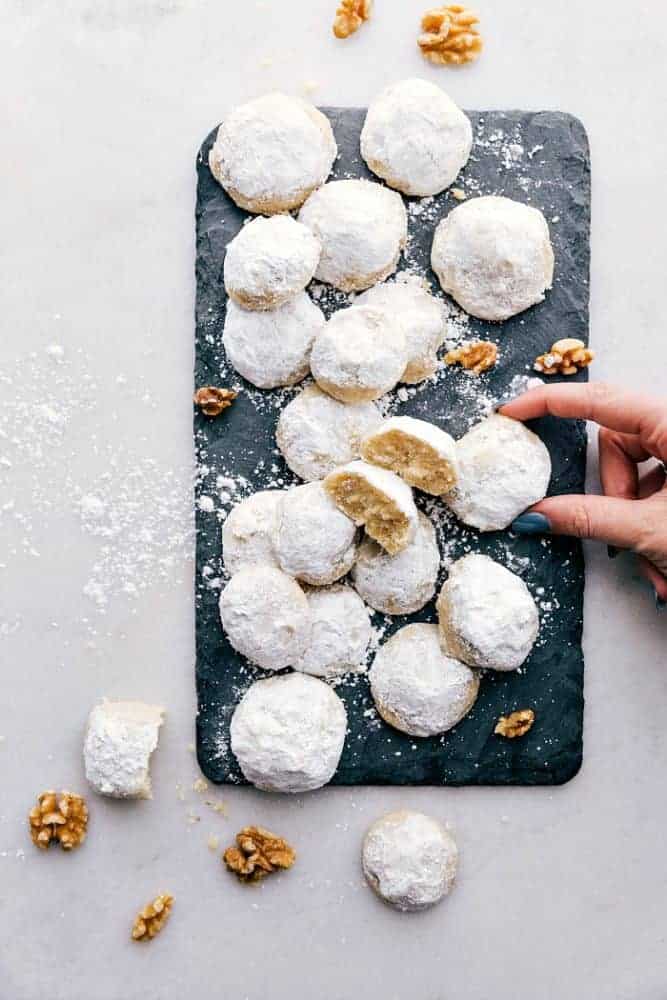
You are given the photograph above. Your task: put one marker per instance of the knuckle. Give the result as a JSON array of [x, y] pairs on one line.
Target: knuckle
[[601, 392], [656, 440], [651, 536], [606, 437], [600, 395], [581, 525]]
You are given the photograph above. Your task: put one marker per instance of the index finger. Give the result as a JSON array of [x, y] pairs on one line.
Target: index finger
[[618, 409]]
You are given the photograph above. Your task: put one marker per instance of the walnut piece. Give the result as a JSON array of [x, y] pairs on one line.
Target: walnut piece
[[566, 357], [212, 401], [350, 15], [475, 355], [450, 36], [258, 853], [58, 817], [152, 918], [515, 724]]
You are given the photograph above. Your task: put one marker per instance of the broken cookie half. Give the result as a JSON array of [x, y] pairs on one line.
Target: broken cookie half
[[120, 738], [420, 452], [378, 499]]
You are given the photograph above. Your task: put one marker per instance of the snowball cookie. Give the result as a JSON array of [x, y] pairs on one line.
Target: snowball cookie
[[421, 317], [271, 153], [287, 733], [487, 615], [417, 687], [266, 617], [400, 584], [415, 138], [314, 541], [248, 534], [493, 256], [316, 433], [272, 348], [409, 860], [421, 453], [502, 469], [340, 634], [362, 227], [120, 738], [269, 262], [377, 499], [359, 355]]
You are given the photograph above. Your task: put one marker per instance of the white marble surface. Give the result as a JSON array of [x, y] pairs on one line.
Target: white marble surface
[[562, 892]]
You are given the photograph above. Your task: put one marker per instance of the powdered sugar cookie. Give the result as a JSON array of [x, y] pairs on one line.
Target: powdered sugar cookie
[[493, 256], [487, 615], [409, 859], [120, 738], [272, 348], [359, 355], [400, 584], [316, 433], [340, 634], [266, 617], [362, 227], [287, 733], [272, 152], [407, 301], [419, 452], [419, 688], [502, 469], [314, 541], [377, 499], [416, 138], [269, 262], [248, 534]]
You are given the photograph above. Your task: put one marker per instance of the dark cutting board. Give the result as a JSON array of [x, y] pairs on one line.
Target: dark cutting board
[[540, 158]]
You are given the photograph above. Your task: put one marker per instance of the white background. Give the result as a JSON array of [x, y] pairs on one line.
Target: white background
[[563, 892]]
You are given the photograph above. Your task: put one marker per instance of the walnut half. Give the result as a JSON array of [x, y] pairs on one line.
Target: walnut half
[[212, 401], [258, 853], [450, 35], [566, 357], [475, 355], [515, 724], [350, 15], [58, 817], [152, 918]]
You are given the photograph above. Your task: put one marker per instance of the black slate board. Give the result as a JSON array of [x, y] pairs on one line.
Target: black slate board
[[541, 158]]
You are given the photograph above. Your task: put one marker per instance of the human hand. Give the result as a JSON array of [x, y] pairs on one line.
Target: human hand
[[632, 514]]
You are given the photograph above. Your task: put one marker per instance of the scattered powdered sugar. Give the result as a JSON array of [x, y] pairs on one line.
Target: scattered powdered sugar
[[136, 511]]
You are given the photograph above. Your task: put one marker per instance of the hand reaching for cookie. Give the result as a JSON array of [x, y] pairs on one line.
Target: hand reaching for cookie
[[632, 514]]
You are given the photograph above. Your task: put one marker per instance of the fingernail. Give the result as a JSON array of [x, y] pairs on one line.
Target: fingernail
[[660, 602], [531, 524], [612, 551], [504, 400]]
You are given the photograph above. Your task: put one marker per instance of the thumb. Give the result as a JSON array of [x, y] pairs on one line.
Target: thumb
[[622, 523]]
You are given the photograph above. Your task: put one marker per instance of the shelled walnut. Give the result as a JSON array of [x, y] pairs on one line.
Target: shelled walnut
[[566, 357], [350, 15], [258, 853], [475, 355], [58, 817], [450, 35], [515, 724], [212, 400], [152, 918]]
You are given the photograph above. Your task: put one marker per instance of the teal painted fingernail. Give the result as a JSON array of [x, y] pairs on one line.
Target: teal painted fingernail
[[660, 602], [612, 551], [531, 524]]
